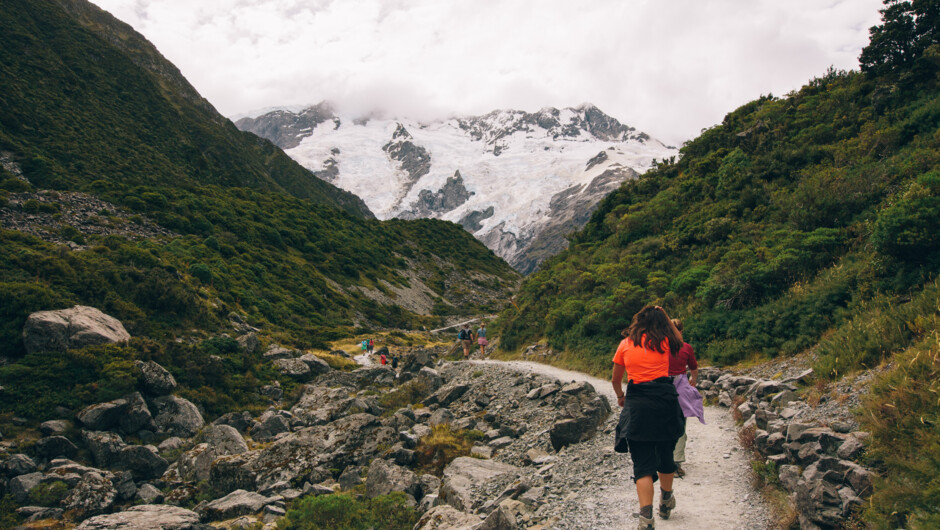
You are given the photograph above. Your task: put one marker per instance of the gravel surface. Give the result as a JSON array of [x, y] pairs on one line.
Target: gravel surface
[[589, 485]]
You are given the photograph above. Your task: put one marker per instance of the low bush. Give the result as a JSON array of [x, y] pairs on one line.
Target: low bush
[[407, 394], [443, 445], [328, 512], [49, 494]]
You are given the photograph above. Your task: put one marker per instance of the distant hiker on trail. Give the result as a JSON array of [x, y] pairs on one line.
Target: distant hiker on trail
[[689, 398], [371, 345], [651, 420], [395, 361], [465, 336], [481, 339], [383, 359], [365, 344]]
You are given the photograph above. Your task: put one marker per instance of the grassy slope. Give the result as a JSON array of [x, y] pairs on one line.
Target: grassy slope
[[84, 98], [86, 104]]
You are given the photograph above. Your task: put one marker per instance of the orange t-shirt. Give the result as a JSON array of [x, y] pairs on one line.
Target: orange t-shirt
[[642, 364]]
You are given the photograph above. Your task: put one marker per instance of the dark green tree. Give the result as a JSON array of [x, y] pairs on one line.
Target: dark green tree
[[908, 30]]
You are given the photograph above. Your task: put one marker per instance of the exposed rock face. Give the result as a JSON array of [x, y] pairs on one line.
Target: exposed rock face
[[429, 204], [177, 416], [75, 327], [155, 379], [413, 159], [445, 517], [471, 221], [461, 475], [287, 129], [239, 502], [385, 478], [95, 494], [145, 517]]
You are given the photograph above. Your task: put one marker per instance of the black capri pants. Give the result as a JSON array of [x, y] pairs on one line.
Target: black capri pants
[[652, 457]]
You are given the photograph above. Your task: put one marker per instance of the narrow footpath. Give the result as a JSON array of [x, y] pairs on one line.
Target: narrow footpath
[[715, 493]]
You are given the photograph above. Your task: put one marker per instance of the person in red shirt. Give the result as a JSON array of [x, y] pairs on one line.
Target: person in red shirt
[[682, 361], [651, 420]]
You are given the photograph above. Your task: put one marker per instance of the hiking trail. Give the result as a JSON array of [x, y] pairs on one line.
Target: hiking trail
[[715, 493]]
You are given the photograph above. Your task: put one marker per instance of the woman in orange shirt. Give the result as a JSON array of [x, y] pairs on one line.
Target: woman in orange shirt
[[651, 420]]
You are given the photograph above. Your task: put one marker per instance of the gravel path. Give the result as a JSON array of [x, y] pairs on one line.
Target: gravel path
[[598, 492]]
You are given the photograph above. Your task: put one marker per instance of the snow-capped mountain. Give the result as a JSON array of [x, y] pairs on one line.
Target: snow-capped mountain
[[518, 181]]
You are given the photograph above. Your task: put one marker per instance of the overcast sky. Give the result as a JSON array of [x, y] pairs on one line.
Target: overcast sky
[[667, 67]]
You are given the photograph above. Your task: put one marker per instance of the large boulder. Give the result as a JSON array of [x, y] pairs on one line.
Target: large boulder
[[56, 446], [20, 486], [294, 368], [105, 447], [17, 464], [445, 517], [224, 439], [177, 416], [385, 478], [143, 461], [585, 415], [155, 379], [145, 517], [317, 365], [465, 473], [95, 494], [235, 504], [76, 327], [102, 416], [136, 416], [270, 428]]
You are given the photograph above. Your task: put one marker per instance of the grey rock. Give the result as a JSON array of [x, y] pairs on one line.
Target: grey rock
[[447, 395], [38, 513], [20, 486], [17, 464], [177, 416], [241, 421], [763, 389], [123, 482], [784, 398], [440, 416], [224, 439], [105, 447], [248, 342], [850, 449], [145, 517], [294, 368], [143, 461], [481, 451], [746, 410], [171, 444], [404, 457], [789, 476], [445, 517], [384, 478], [500, 442], [149, 494], [500, 519], [237, 503], [464, 473], [842, 427], [794, 430], [270, 428], [54, 427], [577, 387], [76, 327], [136, 416], [155, 379], [56, 446], [431, 377], [95, 494], [275, 352], [802, 378], [102, 416], [317, 365], [350, 478]]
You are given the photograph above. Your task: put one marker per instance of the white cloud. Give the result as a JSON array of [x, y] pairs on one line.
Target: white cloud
[[669, 67]]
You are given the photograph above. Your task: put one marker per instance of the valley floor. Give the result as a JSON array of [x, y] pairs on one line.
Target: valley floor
[[716, 492]]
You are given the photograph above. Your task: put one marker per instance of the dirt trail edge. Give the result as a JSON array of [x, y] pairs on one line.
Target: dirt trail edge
[[716, 492]]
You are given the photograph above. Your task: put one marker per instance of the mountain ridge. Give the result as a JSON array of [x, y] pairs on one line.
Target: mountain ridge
[[511, 164]]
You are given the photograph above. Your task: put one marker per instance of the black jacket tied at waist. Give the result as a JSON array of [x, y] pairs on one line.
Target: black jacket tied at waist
[[651, 413]]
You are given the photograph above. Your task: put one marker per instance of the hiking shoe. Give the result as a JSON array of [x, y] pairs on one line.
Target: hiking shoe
[[666, 507], [646, 524], [679, 471]]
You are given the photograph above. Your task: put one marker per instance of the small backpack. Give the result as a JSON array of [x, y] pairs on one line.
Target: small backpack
[[463, 335]]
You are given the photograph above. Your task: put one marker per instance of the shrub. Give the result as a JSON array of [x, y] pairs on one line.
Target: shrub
[[442, 446], [49, 494], [386, 512]]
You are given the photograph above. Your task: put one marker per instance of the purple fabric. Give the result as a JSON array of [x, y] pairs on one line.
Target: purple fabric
[[689, 399]]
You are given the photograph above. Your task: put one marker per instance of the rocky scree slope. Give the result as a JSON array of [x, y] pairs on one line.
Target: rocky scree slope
[[518, 181], [155, 449]]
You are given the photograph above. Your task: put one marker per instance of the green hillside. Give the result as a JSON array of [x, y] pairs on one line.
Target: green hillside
[[809, 222], [90, 112], [85, 99]]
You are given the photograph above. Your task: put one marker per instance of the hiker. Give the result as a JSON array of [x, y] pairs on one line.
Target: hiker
[[481, 339], [465, 336], [365, 344], [395, 361], [689, 398], [651, 420], [383, 359], [371, 346]]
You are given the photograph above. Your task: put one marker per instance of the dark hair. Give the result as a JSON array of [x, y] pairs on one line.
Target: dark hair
[[652, 323]]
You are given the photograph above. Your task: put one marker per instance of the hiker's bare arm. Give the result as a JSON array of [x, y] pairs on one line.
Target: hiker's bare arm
[[694, 379], [617, 380]]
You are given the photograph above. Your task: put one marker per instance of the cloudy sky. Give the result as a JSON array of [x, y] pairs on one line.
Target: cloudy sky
[[667, 67]]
